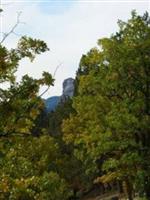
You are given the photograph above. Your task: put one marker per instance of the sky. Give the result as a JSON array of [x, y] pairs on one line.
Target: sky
[[69, 27]]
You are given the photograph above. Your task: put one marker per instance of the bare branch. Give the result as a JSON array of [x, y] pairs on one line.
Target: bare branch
[[58, 66], [12, 30], [56, 69], [44, 91]]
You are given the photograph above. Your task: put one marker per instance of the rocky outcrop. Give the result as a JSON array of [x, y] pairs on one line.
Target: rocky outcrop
[[68, 89], [68, 92]]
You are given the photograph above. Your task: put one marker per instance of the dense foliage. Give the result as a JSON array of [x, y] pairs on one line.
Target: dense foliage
[[29, 169], [28, 164], [100, 136], [32, 167], [110, 130], [19, 103]]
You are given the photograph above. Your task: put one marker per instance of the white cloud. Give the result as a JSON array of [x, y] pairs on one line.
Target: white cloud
[[68, 34]]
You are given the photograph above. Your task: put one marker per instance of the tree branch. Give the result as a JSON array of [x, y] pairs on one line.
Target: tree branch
[[12, 30], [56, 69]]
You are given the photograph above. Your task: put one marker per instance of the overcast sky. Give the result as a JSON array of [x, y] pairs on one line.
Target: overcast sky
[[70, 28]]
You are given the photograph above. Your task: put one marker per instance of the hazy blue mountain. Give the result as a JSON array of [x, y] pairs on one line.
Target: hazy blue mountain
[[51, 103]]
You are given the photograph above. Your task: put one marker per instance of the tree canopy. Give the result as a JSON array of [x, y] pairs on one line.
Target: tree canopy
[[19, 103], [112, 117]]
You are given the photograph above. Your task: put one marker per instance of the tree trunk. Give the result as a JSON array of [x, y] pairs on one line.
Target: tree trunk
[[147, 188], [129, 189], [120, 187]]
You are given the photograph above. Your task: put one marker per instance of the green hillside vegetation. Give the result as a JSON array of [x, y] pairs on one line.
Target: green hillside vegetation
[[94, 144]]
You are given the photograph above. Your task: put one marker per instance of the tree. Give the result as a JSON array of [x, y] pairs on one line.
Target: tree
[[28, 164], [56, 117], [112, 107], [19, 103], [32, 167], [69, 167], [29, 169]]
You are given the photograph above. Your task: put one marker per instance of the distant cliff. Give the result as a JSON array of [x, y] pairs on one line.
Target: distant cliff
[[68, 91]]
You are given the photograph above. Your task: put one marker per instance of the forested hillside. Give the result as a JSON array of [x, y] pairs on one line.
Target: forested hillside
[[96, 143]]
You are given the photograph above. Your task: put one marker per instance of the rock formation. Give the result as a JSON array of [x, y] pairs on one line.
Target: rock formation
[[68, 91]]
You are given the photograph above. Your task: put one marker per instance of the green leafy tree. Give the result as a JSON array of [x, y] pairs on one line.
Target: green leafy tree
[[19, 103], [56, 117], [28, 164], [112, 107], [68, 166], [29, 169]]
